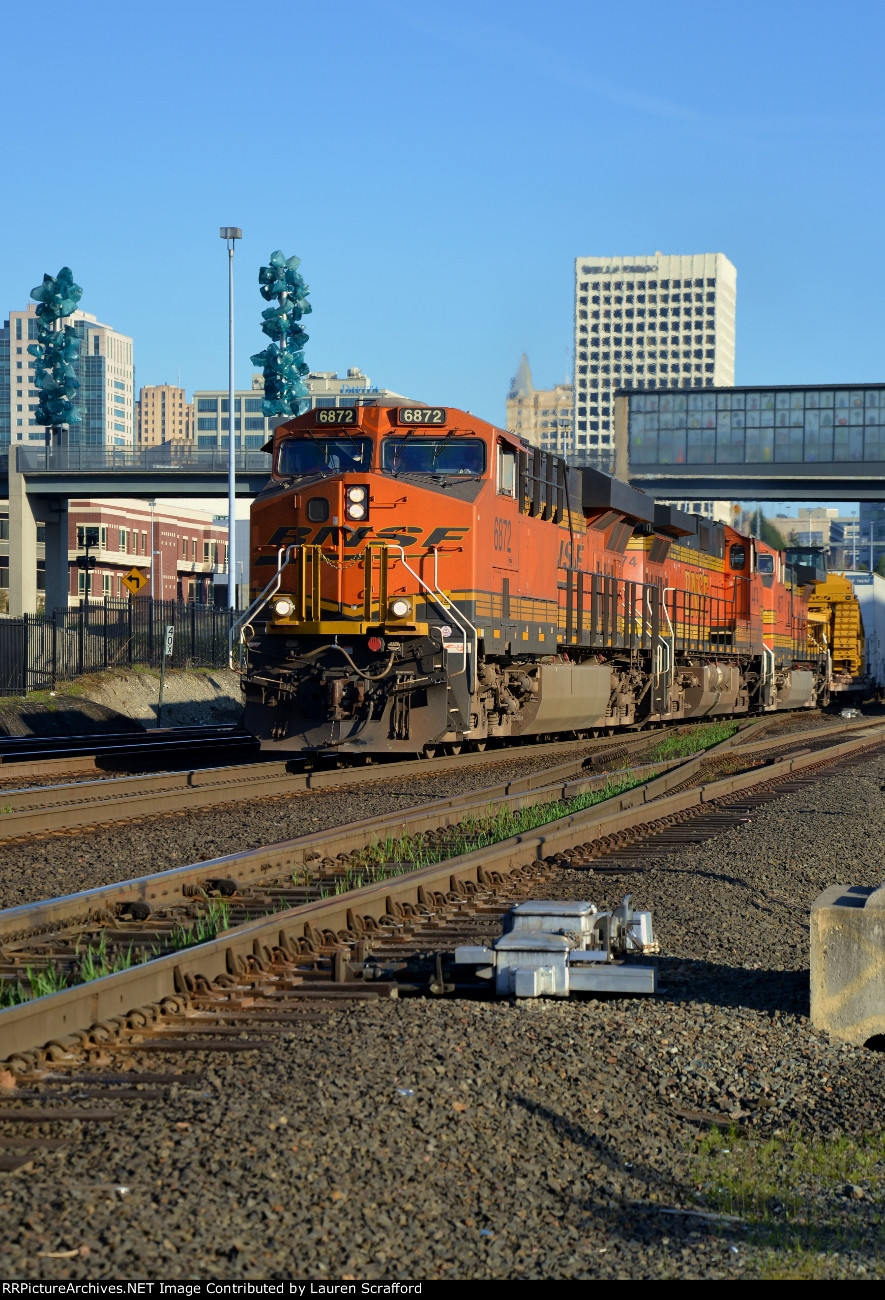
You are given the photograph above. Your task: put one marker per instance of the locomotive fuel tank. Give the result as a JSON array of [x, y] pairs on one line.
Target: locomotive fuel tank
[[712, 689]]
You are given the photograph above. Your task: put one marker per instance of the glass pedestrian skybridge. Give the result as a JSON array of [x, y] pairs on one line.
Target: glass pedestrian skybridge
[[733, 441]]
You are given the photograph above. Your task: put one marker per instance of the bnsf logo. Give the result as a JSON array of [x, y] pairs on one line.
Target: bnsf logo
[[404, 535]]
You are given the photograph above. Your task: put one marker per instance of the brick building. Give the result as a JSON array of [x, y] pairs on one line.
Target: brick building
[[182, 553]]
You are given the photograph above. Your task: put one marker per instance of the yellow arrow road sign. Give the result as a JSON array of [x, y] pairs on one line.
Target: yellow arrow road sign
[[135, 580]]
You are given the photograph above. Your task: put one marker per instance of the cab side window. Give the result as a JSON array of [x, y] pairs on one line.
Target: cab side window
[[766, 563], [506, 471], [737, 557]]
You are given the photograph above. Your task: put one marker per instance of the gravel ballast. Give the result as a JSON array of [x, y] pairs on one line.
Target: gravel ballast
[[67, 862], [458, 1139]]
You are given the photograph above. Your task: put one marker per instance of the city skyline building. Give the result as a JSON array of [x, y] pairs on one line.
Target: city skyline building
[[325, 388], [544, 416], [105, 372], [163, 414], [646, 323]]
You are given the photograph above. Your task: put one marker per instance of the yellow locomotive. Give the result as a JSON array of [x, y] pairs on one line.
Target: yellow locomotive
[[835, 621]]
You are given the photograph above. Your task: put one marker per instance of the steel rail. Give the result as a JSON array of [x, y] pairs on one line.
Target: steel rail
[[63, 1018], [306, 852], [37, 809]]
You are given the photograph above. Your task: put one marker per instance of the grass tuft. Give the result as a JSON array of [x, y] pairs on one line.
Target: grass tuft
[[793, 1193], [694, 741]]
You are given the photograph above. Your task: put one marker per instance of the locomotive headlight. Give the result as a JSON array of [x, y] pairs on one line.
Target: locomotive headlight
[[283, 607], [356, 502], [399, 608]]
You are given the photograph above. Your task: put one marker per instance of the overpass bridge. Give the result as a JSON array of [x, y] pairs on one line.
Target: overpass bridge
[[43, 480], [754, 444]]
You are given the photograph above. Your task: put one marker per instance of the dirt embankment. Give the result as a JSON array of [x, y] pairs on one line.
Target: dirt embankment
[[124, 701]]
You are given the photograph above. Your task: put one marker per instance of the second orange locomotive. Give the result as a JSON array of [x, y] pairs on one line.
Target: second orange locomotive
[[422, 579]]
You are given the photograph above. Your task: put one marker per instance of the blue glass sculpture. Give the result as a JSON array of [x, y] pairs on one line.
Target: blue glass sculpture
[[57, 350], [283, 361]]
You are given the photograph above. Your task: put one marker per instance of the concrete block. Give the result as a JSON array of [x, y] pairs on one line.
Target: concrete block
[[848, 962]]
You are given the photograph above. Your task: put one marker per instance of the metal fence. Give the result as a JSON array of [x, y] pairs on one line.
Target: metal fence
[[37, 650], [166, 455]]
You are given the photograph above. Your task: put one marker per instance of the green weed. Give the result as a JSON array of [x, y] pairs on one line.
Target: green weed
[[208, 925], [694, 741], [39, 984], [397, 855], [790, 1190]]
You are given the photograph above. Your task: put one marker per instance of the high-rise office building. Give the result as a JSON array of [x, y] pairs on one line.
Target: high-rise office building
[[162, 414], [105, 373], [542, 415], [655, 322], [325, 388]]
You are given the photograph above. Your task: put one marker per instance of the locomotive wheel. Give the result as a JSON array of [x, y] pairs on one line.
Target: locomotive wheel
[[478, 746], [430, 751], [454, 749]]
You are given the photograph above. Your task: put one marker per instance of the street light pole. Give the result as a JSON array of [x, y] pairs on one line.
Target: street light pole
[[152, 505], [231, 234]]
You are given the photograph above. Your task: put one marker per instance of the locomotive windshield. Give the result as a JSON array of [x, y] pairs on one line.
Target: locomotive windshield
[[301, 456], [423, 455]]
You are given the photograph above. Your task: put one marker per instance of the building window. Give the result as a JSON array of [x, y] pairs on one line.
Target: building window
[[207, 404]]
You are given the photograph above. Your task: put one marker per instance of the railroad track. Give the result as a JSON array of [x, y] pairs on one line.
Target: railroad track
[[309, 866], [78, 805], [41, 810], [276, 908], [293, 970], [56, 756]]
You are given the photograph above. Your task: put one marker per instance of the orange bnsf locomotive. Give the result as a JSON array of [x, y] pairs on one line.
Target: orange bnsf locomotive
[[424, 581]]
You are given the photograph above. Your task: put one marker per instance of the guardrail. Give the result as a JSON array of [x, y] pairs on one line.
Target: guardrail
[[167, 456]]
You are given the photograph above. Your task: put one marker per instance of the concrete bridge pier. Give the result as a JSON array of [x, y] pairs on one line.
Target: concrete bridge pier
[[56, 552], [22, 544], [25, 512]]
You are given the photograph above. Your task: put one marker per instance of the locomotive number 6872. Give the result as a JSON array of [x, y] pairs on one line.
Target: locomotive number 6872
[[421, 579]]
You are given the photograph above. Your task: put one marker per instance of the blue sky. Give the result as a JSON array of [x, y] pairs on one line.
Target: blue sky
[[438, 168]]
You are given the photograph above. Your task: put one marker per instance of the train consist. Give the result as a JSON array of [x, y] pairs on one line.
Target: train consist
[[425, 581]]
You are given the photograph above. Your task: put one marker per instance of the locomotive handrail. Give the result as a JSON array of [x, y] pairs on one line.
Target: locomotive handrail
[[435, 592], [664, 644], [284, 557], [463, 622], [767, 676]]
